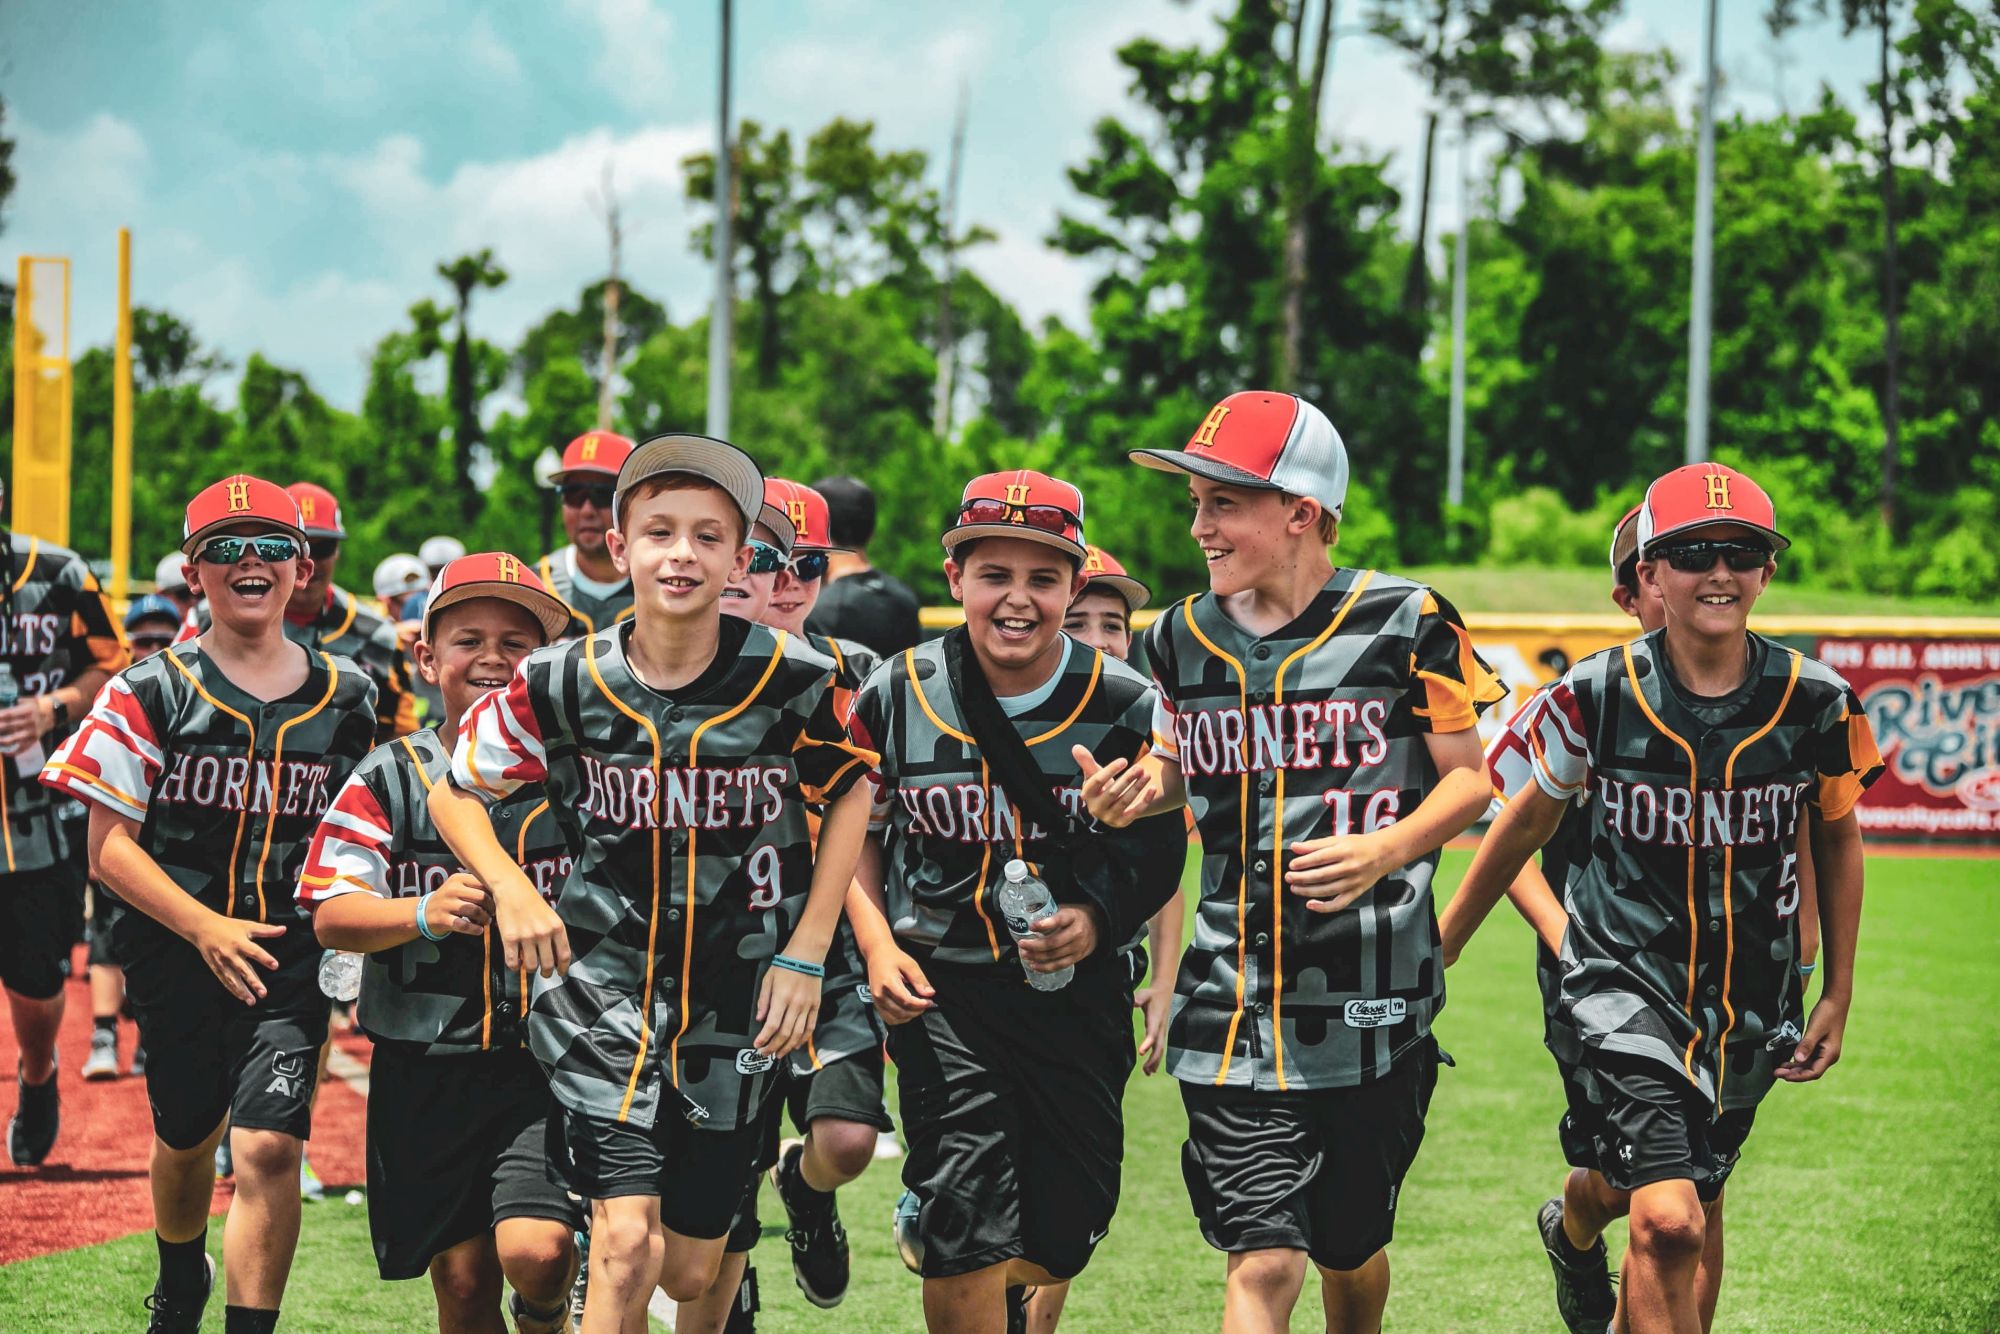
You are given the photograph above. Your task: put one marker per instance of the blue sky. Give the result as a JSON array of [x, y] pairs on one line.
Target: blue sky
[[292, 172]]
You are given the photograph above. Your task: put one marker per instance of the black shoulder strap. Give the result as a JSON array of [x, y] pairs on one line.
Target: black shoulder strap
[[1000, 745]]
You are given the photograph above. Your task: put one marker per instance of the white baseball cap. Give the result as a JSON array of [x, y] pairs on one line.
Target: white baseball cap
[[399, 574], [440, 551], [167, 576]]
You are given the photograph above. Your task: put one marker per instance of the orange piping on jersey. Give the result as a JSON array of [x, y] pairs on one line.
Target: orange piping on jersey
[[1278, 838], [653, 913], [1694, 914], [1242, 839], [549, 582], [92, 780], [1728, 880], [229, 907], [520, 860], [1089, 689], [21, 579], [353, 609], [278, 774], [985, 785], [910, 660], [694, 758]]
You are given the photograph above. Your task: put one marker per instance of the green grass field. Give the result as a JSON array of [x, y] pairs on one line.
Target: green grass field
[[1863, 1203]]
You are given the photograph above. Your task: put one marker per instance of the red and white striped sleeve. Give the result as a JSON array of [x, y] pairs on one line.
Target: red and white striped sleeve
[[113, 759], [1510, 764], [500, 747], [1557, 748], [350, 849], [1166, 720]]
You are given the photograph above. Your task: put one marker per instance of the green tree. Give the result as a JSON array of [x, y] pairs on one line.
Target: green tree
[[466, 275]]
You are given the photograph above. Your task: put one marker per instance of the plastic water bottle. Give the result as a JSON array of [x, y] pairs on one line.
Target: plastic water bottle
[[340, 975], [28, 759], [1025, 900]]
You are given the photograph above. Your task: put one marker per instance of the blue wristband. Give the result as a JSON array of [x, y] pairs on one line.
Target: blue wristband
[[1806, 969], [790, 964], [423, 918]]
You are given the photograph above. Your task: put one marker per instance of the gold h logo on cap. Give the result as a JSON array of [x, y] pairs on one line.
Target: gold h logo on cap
[[1718, 491], [589, 451], [510, 569], [795, 510], [1017, 493], [239, 497], [1094, 562], [306, 509], [1204, 438]]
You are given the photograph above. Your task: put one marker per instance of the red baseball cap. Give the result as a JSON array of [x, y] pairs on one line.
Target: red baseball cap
[[805, 510], [239, 499], [1024, 504], [590, 454], [495, 574], [1625, 539], [319, 510], [1700, 494], [1101, 570], [1265, 440]]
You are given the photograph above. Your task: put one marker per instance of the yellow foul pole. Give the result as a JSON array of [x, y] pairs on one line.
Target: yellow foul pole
[[121, 426]]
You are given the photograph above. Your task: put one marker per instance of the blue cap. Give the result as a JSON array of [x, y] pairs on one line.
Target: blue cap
[[151, 606]]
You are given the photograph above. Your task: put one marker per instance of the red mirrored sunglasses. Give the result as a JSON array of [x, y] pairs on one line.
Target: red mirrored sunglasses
[[1047, 518]]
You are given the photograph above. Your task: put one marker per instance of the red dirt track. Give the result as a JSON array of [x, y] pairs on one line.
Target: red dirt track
[[93, 1186]]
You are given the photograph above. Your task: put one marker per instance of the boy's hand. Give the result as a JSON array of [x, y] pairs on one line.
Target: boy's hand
[[229, 947], [530, 930], [1330, 873], [1116, 793], [460, 904], [1820, 1047], [788, 1004], [1068, 936], [1155, 1002], [898, 985], [20, 726]]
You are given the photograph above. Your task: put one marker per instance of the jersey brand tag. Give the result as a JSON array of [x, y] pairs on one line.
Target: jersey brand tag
[[1376, 1013], [750, 1061]]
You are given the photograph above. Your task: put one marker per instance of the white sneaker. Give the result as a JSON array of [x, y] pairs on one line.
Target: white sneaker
[[102, 1063], [887, 1147]]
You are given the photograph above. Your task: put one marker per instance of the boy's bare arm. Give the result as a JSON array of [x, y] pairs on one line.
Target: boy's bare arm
[[789, 1001], [529, 929], [228, 945], [1837, 868], [1523, 827], [895, 980], [1123, 791], [364, 923]]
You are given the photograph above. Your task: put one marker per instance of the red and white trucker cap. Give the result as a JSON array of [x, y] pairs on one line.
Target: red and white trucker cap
[[495, 574], [805, 510], [1267, 440], [1032, 506], [594, 456], [318, 510], [1700, 494], [240, 499], [1625, 538], [1101, 570]]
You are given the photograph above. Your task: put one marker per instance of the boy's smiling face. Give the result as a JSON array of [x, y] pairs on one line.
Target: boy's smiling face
[[1715, 602], [1015, 593], [1243, 532], [475, 646], [749, 595], [1100, 619], [252, 593], [681, 545]]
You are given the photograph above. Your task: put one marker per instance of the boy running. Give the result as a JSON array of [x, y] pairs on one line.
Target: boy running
[[458, 1181], [1320, 723], [1695, 752], [206, 769], [1010, 1095], [680, 750]]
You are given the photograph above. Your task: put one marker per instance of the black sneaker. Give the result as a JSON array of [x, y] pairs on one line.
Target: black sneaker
[[179, 1317], [1017, 1309], [37, 1118], [1584, 1296], [819, 1242], [743, 1311]]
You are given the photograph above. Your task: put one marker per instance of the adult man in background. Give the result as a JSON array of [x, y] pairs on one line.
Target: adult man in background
[[582, 574], [860, 602], [325, 616]]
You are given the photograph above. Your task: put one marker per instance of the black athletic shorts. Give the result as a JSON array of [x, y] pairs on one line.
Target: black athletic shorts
[[1012, 1107], [455, 1145], [209, 1055], [1636, 1122], [1317, 1170], [701, 1176], [37, 926], [106, 911], [850, 1089]]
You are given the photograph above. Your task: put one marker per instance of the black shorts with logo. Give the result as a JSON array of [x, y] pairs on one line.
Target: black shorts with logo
[[700, 1176], [850, 1089], [456, 1145], [1637, 1121], [1012, 1107], [37, 925], [209, 1055], [1317, 1170]]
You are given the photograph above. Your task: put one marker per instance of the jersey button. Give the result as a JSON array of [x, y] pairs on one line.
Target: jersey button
[[1714, 926], [673, 914], [1261, 866], [1259, 696], [677, 714], [1262, 1008], [1264, 783], [1712, 992], [1263, 652], [1713, 783], [1263, 937]]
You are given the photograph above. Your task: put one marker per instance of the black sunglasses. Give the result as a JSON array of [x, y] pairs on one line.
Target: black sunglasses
[[151, 641], [578, 494], [807, 566], [765, 558], [323, 548], [1699, 557], [272, 547]]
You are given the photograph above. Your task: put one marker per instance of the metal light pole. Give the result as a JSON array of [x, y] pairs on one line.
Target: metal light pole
[[1704, 251], [121, 425], [722, 319], [1454, 486]]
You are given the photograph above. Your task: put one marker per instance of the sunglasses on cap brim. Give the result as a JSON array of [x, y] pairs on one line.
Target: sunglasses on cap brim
[[272, 547], [1043, 518], [1700, 557]]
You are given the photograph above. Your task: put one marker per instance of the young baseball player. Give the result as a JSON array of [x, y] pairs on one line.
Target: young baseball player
[[1010, 1094], [680, 751], [834, 1085], [206, 769], [57, 645], [471, 1201], [1696, 752], [584, 574], [1320, 722]]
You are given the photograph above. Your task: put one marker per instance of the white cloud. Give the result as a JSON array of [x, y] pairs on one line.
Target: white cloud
[[1037, 280], [635, 64]]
